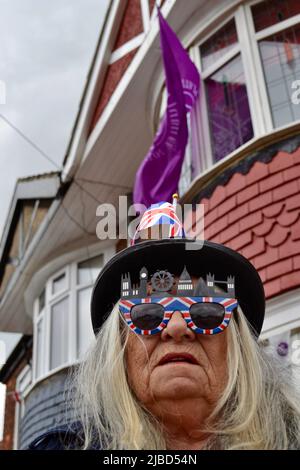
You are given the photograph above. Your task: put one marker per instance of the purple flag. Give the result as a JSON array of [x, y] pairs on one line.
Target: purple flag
[[157, 177]]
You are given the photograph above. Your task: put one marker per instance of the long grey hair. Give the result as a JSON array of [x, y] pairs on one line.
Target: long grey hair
[[259, 407]]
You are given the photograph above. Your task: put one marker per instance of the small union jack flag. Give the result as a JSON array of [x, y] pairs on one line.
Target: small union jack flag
[[164, 214]]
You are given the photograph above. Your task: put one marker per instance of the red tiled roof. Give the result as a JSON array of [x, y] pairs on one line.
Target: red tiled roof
[[258, 214]]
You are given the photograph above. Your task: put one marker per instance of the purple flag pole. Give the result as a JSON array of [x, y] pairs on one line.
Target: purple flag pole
[[158, 176]]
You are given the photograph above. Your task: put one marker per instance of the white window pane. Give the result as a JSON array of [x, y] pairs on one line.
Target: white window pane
[[25, 380], [59, 333], [88, 270], [59, 284], [39, 347], [85, 334]]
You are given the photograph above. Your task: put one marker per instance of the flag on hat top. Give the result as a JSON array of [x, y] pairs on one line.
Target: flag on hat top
[[159, 221], [158, 176]]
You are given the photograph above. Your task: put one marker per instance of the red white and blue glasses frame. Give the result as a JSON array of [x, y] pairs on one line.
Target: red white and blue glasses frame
[[182, 304]]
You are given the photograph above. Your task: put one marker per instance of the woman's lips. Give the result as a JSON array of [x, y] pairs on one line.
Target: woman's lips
[[177, 357]]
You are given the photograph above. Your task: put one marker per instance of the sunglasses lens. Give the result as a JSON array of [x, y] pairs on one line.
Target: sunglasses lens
[[207, 315], [147, 316]]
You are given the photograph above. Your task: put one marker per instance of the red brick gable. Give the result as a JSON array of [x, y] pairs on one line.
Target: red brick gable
[[131, 25], [113, 76], [258, 214]]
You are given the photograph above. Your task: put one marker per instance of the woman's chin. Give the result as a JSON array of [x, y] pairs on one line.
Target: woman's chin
[[176, 387]]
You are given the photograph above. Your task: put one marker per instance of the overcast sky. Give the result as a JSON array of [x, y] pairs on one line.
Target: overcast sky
[[46, 48]]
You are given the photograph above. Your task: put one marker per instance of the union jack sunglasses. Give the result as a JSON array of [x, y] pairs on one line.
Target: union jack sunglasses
[[204, 315]]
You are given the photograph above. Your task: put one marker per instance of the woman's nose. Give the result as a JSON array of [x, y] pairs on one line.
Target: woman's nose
[[177, 328]]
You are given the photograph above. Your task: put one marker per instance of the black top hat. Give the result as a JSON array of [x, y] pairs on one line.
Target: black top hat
[[172, 254]]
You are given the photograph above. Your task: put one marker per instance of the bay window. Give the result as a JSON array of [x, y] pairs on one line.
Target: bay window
[[62, 325], [247, 65]]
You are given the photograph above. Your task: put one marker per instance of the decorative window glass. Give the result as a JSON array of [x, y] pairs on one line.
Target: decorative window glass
[[218, 44], [228, 109], [271, 12], [280, 55]]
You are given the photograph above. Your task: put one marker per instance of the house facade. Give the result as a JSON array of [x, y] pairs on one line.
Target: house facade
[[242, 164]]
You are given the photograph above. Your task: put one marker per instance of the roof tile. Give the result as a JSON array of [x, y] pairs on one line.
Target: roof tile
[[250, 220], [270, 182], [271, 255], [248, 193], [241, 241], [285, 190], [218, 196], [236, 183], [290, 280], [256, 248], [273, 209], [277, 236], [258, 171], [280, 162], [279, 269], [238, 212]]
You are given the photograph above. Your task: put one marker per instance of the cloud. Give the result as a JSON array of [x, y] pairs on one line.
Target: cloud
[[45, 54]]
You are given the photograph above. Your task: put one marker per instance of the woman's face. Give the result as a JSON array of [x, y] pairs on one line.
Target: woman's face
[[159, 381]]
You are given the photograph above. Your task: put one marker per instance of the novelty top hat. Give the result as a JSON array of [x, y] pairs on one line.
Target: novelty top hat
[[174, 253]]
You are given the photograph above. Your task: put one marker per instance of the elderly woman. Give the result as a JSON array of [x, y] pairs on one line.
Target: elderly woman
[[176, 363]]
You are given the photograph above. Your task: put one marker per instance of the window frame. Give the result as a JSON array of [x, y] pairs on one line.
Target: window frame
[[38, 317], [248, 48]]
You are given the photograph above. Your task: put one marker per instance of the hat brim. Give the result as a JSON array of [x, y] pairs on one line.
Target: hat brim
[[171, 254]]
